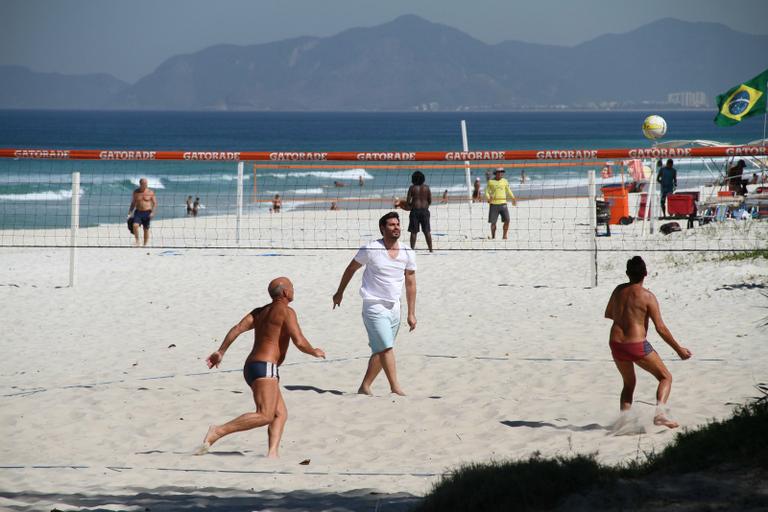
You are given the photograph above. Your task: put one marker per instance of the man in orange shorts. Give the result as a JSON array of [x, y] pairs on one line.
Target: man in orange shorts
[[630, 307]]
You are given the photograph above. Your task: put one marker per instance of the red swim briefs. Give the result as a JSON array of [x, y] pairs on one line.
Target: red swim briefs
[[630, 351]]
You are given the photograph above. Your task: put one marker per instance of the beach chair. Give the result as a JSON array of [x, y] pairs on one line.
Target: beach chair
[[603, 216], [721, 213]]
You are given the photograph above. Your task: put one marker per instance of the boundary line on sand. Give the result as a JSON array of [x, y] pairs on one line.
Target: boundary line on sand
[[228, 471], [35, 391]]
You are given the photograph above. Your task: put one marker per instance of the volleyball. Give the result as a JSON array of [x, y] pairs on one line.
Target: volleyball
[[654, 127]]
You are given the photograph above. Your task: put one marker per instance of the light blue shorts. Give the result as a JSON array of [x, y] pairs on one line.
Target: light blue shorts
[[381, 320]]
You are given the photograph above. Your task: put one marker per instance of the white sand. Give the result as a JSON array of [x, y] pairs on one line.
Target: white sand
[[105, 392]]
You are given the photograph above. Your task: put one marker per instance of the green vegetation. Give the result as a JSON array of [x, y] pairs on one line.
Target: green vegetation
[[746, 255], [539, 483], [740, 440]]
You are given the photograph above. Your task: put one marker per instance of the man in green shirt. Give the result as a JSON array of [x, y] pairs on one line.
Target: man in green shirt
[[497, 192]]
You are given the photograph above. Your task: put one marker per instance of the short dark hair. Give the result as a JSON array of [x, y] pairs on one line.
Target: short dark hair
[[741, 163], [636, 269], [670, 163], [417, 178], [383, 220]]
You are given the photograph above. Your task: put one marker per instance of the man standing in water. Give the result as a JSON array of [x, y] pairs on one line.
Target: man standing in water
[[387, 265], [418, 201], [274, 325], [143, 206], [630, 307]]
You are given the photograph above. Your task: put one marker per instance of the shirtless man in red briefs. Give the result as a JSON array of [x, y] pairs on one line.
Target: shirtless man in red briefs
[[630, 307]]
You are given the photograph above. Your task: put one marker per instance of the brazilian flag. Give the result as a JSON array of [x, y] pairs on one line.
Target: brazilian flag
[[742, 101]]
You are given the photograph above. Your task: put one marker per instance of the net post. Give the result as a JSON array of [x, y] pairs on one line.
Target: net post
[[74, 225], [592, 255], [650, 204], [238, 217], [465, 145], [255, 190]]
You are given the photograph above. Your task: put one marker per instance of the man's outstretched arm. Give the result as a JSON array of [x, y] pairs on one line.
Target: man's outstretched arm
[[298, 338], [246, 324], [346, 277], [654, 312]]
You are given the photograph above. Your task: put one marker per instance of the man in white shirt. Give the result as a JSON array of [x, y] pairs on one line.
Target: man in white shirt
[[387, 265]]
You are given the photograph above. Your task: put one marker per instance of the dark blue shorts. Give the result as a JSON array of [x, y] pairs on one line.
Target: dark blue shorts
[[142, 218], [260, 370], [419, 217]]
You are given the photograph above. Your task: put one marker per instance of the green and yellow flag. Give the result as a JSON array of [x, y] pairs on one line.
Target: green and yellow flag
[[742, 101]]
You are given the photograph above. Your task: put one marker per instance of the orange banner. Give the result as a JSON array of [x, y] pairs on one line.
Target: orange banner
[[383, 156]]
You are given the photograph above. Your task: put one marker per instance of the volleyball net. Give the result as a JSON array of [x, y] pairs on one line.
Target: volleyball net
[[579, 199]]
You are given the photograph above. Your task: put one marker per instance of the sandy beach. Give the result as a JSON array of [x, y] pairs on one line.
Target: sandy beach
[[105, 392]]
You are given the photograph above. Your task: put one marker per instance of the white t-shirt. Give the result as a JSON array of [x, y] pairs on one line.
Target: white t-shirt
[[384, 276]]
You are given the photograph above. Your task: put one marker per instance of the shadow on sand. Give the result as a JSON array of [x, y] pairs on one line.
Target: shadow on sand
[[169, 499], [313, 388], [541, 424]]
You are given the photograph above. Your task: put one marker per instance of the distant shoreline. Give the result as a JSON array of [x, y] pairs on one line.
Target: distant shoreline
[[409, 111]]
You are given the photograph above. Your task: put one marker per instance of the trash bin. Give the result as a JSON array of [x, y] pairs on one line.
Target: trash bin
[[682, 204], [618, 197]]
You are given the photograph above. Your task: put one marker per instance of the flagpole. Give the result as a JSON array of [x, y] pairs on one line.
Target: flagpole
[[765, 115]]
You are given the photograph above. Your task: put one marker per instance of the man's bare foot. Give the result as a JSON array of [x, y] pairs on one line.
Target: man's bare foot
[[272, 455], [364, 390], [202, 449], [212, 435], [398, 391], [661, 419]]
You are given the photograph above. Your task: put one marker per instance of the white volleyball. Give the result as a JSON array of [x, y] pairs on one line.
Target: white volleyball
[[654, 127]]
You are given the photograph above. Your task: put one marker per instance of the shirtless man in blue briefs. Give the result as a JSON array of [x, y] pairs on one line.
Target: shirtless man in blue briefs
[[142, 209], [274, 325]]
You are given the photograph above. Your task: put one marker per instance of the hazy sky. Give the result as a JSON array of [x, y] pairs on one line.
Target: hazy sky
[[130, 38]]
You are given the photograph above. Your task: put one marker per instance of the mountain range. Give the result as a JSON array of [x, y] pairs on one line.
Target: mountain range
[[411, 64]]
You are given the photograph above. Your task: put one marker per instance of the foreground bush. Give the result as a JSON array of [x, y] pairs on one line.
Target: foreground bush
[[539, 483]]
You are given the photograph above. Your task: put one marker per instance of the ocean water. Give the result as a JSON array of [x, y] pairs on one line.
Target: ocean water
[[37, 193]]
